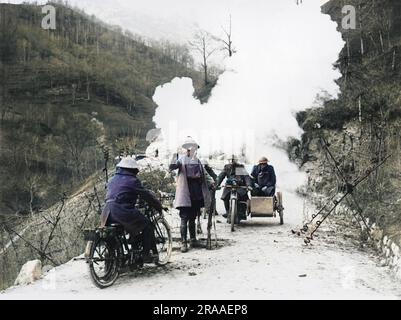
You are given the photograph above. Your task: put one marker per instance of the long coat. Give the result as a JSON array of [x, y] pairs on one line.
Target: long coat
[[182, 194], [122, 194], [264, 176]]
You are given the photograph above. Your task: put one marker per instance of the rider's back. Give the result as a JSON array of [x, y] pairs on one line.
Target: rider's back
[[123, 187]]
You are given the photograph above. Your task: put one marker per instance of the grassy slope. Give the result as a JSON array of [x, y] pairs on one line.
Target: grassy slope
[[53, 83]]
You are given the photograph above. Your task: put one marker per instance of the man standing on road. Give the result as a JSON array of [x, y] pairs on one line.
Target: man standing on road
[[192, 191]]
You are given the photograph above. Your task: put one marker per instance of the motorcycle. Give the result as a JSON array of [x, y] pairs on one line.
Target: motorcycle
[[238, 209], [109, 250]]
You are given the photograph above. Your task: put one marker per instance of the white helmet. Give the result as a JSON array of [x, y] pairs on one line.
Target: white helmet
[[128, 163], [190, 143]]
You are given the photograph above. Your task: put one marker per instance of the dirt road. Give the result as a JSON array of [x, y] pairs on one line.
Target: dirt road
[[261, 260]]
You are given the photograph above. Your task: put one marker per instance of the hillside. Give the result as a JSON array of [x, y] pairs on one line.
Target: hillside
[[362, 126], [69, 93]]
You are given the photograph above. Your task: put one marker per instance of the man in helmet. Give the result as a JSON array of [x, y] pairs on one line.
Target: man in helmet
[[234, 171], [192, 191], [122, 194], [264, 179]]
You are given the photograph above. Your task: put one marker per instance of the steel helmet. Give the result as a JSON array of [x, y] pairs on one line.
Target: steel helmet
[[190, 143], [234, 158], [263, 160], [128, 163]]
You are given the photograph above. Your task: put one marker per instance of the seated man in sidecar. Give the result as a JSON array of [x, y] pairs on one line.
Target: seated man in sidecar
[[264, 179]]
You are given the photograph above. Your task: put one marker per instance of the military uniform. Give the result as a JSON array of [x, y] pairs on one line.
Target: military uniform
[[265, 178], [237, 172]]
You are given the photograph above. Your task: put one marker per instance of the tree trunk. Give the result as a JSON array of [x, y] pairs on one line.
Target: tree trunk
[[74, 89], [393, 64], [205, 72], [348, 52], [361, 28], [88, 87], [32, 196]]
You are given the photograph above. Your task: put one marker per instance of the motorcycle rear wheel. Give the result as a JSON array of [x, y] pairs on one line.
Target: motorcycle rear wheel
[[103, 263]]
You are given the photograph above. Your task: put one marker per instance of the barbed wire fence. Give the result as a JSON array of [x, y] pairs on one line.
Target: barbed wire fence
[[53, 236], [346, 187]]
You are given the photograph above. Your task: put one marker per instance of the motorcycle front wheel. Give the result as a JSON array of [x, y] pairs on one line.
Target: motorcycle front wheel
[[233, 214], [164, 241]]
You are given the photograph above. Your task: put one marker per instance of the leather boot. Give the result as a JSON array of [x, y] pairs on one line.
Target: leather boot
[[184, 246]]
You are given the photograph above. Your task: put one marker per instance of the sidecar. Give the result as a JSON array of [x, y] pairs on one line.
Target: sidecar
[[267, 207]]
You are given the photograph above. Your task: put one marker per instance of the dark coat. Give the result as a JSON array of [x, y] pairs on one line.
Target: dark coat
[[122, 194], [264, 176], [237, 172], [211, 172]]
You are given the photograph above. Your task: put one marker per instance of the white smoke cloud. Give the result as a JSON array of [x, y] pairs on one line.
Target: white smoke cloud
[[285, 57]]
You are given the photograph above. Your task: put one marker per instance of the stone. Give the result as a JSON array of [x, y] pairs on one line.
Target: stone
[[30, 272], [395, 249], [387, 252], [398, 274], [377, 234], [46, 269]]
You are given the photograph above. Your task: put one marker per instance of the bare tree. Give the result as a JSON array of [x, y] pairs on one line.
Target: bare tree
[[32, 183], [228, 43], [79, 133], [203, 44]]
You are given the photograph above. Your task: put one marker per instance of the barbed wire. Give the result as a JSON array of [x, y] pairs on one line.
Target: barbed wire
[[346, 189]]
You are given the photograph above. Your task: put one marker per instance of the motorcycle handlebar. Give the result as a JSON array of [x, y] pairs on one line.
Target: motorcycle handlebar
[[232, 187]]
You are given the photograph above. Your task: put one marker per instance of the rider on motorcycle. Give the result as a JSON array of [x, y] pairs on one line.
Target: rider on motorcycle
[[122, 194], [234, 171], [264, 179]]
